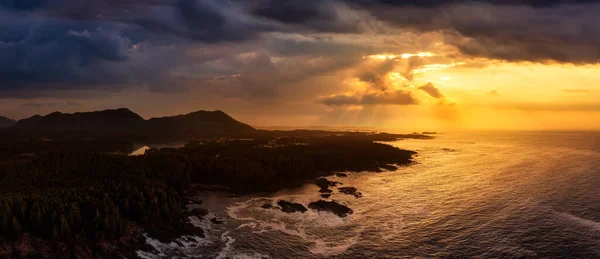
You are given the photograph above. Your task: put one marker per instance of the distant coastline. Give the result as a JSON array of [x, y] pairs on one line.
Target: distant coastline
[[321, 128]]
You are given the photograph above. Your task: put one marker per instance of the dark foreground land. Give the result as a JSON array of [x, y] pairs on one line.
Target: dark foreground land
[[82, 196]]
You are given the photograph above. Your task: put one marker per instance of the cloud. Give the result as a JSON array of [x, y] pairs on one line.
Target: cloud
[[436, 3], [38, 105], [203, 20], [314, 15], [374, 84], [45, 51], [398, 97], [50, 45], [430, 89], [259, 76], [102, 44], [265, 48], [376, 74], [537, 31], [206, 20]]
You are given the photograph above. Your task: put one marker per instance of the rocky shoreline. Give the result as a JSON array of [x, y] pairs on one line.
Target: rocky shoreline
[[177, 231], [185, 228], [332, 206]]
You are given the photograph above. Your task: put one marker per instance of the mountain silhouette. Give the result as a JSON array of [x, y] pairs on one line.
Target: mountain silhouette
[[6, 122], [200, 122], [124, 121], [107, 120]]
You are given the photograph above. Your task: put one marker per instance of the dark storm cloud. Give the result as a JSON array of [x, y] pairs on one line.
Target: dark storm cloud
[[398, 97], [67, 44], [566, 31], [202, 20], [319, 15], [207, 21], [435, 3], [70, 44], [538, 31], [48, 51], [294, 11]]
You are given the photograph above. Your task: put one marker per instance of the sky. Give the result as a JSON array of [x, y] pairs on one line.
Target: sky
[[431, 65]]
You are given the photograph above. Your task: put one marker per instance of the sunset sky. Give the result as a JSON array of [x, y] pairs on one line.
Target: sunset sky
[[411, 65]]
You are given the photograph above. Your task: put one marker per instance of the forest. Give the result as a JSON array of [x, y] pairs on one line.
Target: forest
[[88, 195]]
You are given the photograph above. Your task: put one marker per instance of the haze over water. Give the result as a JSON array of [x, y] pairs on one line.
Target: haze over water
[[468, 195]]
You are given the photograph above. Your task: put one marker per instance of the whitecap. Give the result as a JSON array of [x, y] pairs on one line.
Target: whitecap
[[228, 242], [293, 224], [185, 244]]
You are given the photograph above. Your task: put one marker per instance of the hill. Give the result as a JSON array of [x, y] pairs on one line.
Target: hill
[[126, 122], [122, 120], [200, 122], [6, 122]]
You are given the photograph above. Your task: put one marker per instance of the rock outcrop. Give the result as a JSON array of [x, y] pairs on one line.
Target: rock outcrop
[[290, 207], [324, 184], [331, 206], [350, 191]]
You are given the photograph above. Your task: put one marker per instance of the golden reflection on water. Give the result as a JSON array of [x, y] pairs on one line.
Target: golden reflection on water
[[472, 195]]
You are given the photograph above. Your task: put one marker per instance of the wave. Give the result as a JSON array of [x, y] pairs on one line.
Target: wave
[[581, 221], [228, 242], [182, 245], [187, 245], [261, 221]]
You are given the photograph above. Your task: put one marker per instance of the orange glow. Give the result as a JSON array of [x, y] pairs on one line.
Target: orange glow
[[488, 94], [420, 54], [385, 56]]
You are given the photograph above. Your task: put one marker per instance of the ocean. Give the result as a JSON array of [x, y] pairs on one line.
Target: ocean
[[486, 195]]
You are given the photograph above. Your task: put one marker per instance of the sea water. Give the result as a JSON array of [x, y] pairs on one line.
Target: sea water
[[517, 194]]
